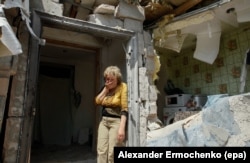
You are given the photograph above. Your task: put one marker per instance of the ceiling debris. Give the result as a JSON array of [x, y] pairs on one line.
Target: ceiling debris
[[206, 26], [156, 10], [172, 36], [222, 122], [23, 6], [53, 7], [242, 8], [169, 19], [208, 40], [9, 44]]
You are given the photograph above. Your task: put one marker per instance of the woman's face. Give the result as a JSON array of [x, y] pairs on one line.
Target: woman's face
[[110, 81]]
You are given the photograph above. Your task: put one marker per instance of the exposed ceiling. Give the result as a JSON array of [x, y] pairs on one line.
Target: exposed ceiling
[[160, 15], [157, 12], [163, 12], [168, 11]]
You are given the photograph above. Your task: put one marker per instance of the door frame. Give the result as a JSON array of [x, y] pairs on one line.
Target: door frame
[[39, 20]]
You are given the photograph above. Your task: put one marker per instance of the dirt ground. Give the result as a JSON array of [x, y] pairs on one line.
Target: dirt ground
[[63, 154]]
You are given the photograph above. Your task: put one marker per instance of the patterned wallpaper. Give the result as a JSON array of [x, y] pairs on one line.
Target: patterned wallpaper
[[223, 76]]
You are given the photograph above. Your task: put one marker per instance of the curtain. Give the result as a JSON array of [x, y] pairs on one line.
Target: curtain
[[55, 117]]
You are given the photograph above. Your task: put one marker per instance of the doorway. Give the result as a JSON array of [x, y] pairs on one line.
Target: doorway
[[89, 63], [64, 120], [53, 120]]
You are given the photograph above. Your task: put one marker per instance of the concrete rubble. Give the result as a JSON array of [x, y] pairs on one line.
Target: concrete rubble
[[224, 121]]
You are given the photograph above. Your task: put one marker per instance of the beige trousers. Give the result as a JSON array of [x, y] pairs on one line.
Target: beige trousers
[[107, 139]]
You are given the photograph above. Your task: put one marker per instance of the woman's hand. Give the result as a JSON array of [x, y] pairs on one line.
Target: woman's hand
[[121, 135], [122, 129], [110, 84]]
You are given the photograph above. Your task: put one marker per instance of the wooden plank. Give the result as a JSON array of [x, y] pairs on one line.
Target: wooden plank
[[97, 89], [2, 110], [186, 6], [69, 44], [154, 11], [30, 101]]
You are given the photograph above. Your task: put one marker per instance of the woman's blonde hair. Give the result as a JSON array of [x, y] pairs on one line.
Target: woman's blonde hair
[[115, 71]]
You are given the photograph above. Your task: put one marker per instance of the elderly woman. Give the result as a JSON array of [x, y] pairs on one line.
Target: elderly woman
[[114, 102]]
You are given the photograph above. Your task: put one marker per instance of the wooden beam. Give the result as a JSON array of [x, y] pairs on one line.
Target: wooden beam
[[186, 6], [68, 44]]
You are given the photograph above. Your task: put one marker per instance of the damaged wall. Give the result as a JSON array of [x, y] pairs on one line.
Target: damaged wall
[[196, 77], [134, 56], [207, 25]]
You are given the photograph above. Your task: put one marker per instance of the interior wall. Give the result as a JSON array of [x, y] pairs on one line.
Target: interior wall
[[85, 77], [197, 77], [113, 54]]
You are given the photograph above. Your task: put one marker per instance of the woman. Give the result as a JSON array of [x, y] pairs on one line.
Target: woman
[[113, 98]]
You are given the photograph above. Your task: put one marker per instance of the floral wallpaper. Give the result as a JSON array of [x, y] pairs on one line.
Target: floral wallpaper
[[222, 77]]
